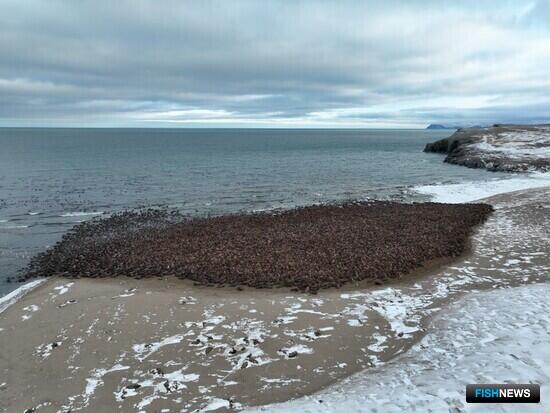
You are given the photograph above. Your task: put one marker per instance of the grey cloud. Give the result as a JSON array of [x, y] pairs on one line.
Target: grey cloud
[[126, 61]]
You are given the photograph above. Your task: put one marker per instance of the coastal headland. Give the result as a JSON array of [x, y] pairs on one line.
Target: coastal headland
[[508, 148]]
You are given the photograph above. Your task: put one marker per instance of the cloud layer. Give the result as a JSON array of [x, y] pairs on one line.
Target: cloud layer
[[288, 64]]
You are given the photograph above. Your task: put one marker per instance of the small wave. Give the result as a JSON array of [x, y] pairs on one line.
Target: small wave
[[473, 191], [80, 214], [15, 227], [34, 213], [16, 295], [3, 220]]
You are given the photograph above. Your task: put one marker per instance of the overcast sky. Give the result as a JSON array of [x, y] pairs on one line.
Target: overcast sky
[[273, 64]]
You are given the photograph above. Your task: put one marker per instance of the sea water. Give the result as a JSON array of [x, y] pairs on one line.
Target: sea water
[[51, 179]]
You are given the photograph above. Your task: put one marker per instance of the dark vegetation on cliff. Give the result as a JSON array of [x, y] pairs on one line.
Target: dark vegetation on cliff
[[305, 248]]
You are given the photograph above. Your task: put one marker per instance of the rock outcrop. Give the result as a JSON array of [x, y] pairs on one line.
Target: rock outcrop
[[509, 148]]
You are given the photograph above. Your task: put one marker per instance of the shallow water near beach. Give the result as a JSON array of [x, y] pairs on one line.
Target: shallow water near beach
[[51, 179]]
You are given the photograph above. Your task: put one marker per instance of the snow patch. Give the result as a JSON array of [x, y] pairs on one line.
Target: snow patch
[[145, 350], [472, 343], [62, 289], [473, 191], [216, 404], [16, 295]]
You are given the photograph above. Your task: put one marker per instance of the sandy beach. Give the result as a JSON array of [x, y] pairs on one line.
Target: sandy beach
[[163, 344], [275, 207]]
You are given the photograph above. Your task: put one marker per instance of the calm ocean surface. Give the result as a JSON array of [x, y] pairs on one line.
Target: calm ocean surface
[[51, 179]]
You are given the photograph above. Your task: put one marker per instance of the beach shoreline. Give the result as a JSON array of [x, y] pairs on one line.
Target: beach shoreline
[[466, 343], [278, 207], [158, 343]]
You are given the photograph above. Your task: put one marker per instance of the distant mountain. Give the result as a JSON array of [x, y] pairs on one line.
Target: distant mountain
[[437, 126]]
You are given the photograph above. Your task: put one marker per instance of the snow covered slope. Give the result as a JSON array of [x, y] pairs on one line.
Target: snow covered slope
[[509, 148], [490, 337]]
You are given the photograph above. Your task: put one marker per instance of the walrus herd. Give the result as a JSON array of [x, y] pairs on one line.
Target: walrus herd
[[307, 248]]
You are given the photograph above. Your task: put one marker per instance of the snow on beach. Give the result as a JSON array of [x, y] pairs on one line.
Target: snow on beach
[[210, 344], [16, 295], [11, 298], [487, 337], [473, 191]]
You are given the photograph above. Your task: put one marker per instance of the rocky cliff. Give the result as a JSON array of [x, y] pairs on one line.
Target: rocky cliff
[[510, 148]]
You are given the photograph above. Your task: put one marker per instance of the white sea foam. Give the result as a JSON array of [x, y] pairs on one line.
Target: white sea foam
[[472, 191], [16, 295], [81, 214], [14, 227]]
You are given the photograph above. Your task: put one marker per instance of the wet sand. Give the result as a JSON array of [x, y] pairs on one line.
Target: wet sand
[[104, 345]]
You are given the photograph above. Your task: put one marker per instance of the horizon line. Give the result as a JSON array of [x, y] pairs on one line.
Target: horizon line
[[219, 127]]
